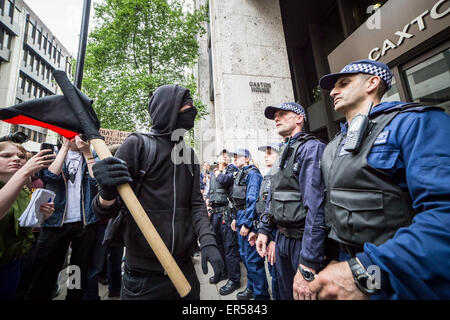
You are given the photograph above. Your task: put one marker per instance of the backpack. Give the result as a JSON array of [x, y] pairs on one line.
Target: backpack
[[113, 232]]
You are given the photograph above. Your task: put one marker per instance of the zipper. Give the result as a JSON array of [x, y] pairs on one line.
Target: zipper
[[65, 207], [82, 205], [174, 203]]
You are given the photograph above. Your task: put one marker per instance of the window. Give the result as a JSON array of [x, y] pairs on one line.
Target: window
[[32, 62], [39, 38], [14, 128], [11, 9], [38, 64], [21, 86], [429, 81], [392, 94], [45, 44], [5, 40], [25, 57], [33, 32]]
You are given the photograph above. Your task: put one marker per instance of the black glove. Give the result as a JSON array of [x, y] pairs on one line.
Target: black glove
[[110, 172], [211, 254]]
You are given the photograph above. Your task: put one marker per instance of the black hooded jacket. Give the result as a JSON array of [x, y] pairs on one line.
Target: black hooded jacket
[[170, 193]]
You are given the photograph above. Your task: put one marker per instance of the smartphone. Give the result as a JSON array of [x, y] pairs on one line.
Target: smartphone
[[50, 146]]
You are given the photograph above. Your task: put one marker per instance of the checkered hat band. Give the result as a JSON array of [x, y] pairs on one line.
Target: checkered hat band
[[293, 108], [370, 69]]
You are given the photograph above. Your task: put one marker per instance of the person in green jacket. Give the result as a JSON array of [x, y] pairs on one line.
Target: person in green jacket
[[15, 241]]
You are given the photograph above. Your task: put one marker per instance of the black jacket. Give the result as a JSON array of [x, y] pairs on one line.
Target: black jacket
[[165, 185]]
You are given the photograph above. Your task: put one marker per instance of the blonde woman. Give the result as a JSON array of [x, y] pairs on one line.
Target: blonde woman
[[15, 173]]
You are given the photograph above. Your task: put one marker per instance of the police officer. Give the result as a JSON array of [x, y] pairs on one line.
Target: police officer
[[388, 198], [218, 200], [296, 203], [263, 211], [245, 193], [217, 203], [222, 215]]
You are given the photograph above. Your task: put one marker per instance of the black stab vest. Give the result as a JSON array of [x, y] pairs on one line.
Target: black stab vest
[[240, 187], [286, 202], [363, 204], [218, 194], [263, 193]]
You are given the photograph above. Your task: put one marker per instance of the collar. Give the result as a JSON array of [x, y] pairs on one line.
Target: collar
[[294, 138], [376, 110]]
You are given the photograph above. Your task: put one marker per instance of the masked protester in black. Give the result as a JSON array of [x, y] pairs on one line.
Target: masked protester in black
[[170, 194]]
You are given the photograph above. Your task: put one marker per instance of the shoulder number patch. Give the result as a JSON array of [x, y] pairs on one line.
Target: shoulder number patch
[[382, 138]]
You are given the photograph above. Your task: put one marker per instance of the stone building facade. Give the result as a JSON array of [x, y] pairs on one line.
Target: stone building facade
[[29, 53]]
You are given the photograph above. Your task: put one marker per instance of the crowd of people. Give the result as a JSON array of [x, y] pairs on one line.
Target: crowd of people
[[365, 216]]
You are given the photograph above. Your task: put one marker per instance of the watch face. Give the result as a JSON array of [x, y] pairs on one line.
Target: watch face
[[307, 275]]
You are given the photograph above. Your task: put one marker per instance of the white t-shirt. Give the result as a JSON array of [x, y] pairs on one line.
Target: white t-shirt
[[74, 165]]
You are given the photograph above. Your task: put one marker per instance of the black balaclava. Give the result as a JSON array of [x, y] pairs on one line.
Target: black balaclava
[[186, 118], [164, 105]]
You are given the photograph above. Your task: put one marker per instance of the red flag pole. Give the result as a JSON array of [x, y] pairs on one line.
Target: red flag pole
[[82, 44]]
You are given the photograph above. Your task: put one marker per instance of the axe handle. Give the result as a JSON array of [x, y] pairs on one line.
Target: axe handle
[[146, 226]]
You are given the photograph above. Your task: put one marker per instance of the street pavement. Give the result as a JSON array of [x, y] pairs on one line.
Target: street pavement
[[207, 291]]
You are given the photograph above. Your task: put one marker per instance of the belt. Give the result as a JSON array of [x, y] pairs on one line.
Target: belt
[[135, 273], [219, 209], [350, 249], [294, 233]]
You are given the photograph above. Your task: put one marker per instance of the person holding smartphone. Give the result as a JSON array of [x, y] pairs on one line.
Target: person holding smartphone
[[70, 177], [15, 242]]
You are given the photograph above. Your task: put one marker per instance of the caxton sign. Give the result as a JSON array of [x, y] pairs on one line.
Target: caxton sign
[[418, 24], [260, 86], [398, 27]]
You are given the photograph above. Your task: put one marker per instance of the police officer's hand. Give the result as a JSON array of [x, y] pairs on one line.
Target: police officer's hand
[[211, 253], [233, 225], [252, 238], [300, 287], [261, 243], [271, 252], [109, 173], [244, 231], [336, 282]]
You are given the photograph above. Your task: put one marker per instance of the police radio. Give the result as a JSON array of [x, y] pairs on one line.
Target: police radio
[[357, 131]]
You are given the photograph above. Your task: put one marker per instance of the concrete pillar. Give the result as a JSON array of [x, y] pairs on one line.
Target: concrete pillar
[[248, 46]]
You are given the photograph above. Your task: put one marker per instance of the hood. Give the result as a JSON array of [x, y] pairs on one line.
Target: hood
[[164, 106]]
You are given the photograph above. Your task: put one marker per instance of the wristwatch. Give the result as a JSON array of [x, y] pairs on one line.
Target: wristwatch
[[361, 277], [307, 274]]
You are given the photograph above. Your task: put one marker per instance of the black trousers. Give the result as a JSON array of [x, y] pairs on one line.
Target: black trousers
[[157, 286], [50, 253], [216, 224]]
